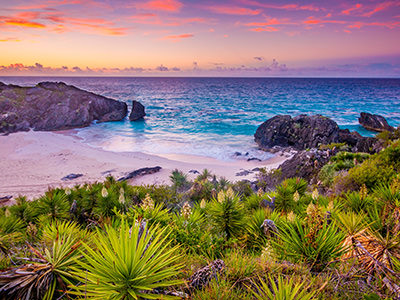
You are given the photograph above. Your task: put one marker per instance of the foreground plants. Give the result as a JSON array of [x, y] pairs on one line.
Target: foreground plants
[[128, 263]]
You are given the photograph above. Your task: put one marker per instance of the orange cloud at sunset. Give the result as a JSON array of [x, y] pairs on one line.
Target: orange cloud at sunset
[[24, 23]]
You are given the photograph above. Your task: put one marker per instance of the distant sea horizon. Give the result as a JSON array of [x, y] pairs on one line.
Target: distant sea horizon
[[217, 116]]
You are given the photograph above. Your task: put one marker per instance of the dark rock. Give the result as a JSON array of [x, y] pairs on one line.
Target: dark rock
[[5, 199], [256, 169], [137, 112], [268, 204], [194, 172], [54, 106], [203, 276], [359, 143], [140, 172], [374, 122], [269, 227], [71, 176], [237, 154], [304, 164], [300, 132], [253, 158], [306, 132], [74, 208], [243, 173]]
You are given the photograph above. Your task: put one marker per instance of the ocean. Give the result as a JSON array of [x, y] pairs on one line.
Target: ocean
[[217, 117]]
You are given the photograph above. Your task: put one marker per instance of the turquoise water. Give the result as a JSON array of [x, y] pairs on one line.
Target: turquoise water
[[217, 117]]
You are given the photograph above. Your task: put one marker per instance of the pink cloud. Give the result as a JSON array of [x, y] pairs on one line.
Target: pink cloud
[[349, 10], [390, 25], [380, 7], [154, 19], [162, 5], [264, 29], [313, 21], [284, 7], [178, 37], [234, 10]]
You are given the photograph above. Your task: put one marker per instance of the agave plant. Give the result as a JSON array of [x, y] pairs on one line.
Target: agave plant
[[128, 263], [227, 213], [44, 279], [281, 289]]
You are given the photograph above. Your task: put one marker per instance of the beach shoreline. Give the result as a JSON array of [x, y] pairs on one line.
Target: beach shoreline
[[33, 162]]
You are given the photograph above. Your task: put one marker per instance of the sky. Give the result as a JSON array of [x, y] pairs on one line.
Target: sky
[[340, 38]]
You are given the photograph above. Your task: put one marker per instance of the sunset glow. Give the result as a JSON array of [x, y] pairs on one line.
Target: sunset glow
[[200, 38]]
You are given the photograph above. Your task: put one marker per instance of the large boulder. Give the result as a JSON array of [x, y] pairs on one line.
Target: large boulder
[[300, 132], [307, 132], [54, 106], [374, 122], [137, 112]]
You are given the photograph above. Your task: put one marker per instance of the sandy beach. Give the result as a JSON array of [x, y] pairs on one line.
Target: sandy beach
[[31, 162]]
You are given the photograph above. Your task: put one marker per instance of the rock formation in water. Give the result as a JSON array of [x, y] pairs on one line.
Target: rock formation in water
[[306, 132], [54, 106], [137, 111], [374, 122]]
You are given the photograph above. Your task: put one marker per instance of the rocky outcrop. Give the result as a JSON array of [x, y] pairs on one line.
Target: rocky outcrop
[[140, 172], [54, 106], [307, 132], [374, 122], [300, 132], [203, 276], [137, 111], [305, 164]]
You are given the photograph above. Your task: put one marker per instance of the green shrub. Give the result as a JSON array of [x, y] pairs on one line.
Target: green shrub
[[227, 214]]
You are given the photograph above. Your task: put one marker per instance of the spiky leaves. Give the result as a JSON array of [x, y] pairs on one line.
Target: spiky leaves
[[281, 289], [42, 280], [227, 214], [298, 242], [128, 264]]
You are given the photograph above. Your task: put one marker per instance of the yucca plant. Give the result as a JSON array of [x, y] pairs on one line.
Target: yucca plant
[[54, 205], [256, 237], [280, 289], [227, 214], [45, 279], [10, 232], [301, 242], [357, 202], [354, 227], [128, 263], [178, 179]]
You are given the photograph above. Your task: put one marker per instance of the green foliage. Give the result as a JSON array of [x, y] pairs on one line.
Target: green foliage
[[128, 263], [331, 146], [316, 246], [227, 214], [357, 202], [53, 204], [178, 179], [281, 289]]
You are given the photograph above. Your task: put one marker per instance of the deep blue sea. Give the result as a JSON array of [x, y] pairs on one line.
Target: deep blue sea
[[217, 117]]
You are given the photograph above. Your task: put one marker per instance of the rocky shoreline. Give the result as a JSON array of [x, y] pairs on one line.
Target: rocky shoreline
[[51, 106]]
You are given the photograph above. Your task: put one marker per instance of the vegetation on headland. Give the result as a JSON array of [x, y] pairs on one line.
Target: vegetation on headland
[[110, 240]]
